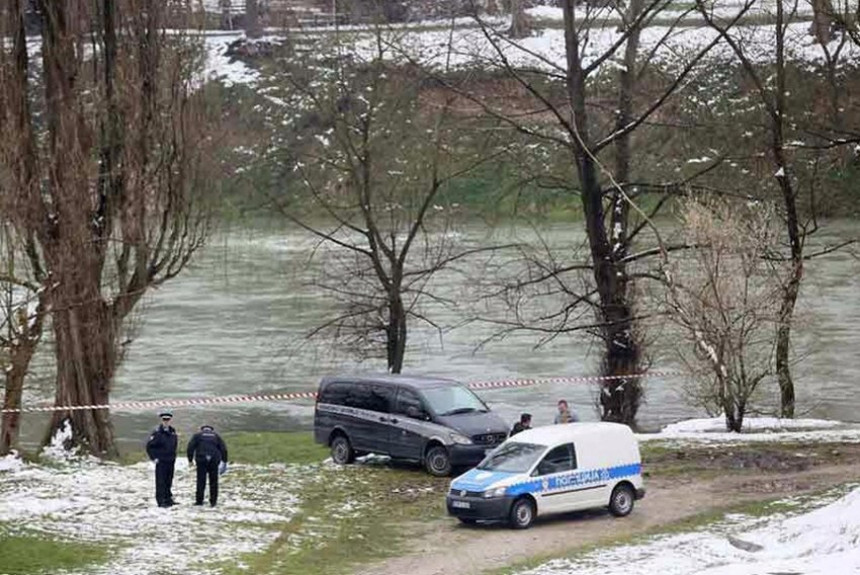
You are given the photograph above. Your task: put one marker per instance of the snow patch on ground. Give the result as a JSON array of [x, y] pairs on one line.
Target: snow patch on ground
[[11, 463], [825, 541], [718, 424], [87, 500], [760, 429], [220, 66]]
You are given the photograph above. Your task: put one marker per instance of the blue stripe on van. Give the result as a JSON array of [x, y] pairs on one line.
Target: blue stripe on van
[[574, 479]]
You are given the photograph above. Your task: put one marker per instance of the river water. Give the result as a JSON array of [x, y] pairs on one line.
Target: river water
[[234, 323]]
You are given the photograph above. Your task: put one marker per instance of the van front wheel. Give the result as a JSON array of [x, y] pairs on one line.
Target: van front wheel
[[438, 462], [621, 501], [522, 513], [341, 450]]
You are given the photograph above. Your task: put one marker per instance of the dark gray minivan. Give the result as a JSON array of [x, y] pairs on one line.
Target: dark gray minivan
[[437, 422]]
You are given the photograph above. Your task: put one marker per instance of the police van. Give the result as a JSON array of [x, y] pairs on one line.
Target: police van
[[437, 422], [553, 469]]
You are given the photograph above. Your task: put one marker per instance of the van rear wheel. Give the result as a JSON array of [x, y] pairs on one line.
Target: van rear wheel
[[522, 513], [621, 501], [438, 462], [341, 450]]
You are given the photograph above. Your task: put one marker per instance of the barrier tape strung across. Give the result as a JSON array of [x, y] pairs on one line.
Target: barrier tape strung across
[[156, 404]]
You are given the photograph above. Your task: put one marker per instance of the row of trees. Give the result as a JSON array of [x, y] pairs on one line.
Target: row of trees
[[101, 193], [100, 188], [598, 128]]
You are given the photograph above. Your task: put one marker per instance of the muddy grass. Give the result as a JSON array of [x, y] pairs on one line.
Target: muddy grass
[[382, 519], [687, 486]]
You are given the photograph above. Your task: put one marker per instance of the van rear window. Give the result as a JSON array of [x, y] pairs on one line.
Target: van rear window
[[512, 457]]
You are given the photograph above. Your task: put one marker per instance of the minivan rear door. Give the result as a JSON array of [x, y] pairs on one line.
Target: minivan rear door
[[408, 418]]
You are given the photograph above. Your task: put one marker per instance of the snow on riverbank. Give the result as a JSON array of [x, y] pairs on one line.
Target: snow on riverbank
[[467, 45], [83, 499], [470, 47], [825, 541], [763, 429]]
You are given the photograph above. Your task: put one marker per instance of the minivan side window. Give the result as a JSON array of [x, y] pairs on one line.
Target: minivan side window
[[407, 399], [381, 398], [559, 459], [367, 396], [334, 393]]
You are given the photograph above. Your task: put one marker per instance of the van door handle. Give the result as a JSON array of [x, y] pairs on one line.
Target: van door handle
[[383, 419], [393, 420]]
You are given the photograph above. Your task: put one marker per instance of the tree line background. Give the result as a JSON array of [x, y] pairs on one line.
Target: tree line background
[[112, 142]]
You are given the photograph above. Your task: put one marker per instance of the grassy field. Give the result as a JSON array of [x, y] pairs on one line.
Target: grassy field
[[32, 554], [356, 515]]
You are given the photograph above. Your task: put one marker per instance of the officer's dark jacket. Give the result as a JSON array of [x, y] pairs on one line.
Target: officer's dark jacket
[[518, 427], [207, 444], [162, 444]]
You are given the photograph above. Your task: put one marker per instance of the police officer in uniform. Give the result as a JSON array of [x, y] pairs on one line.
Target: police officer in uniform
[[161, 448], [208, 451]]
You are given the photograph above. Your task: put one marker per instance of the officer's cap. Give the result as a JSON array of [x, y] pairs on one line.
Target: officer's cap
[[206, 427], [165, 413]]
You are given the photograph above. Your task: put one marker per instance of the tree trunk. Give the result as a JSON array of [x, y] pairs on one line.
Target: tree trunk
[[822, 21], [86, 361], [519, 20], [12, 400], [396, 333], [783, 342], [28, 334], [252, 19], [792, 223], [619, 399]]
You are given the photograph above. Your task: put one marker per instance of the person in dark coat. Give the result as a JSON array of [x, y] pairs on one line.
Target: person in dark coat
[[161, 448], [524, 423], [208, 451]]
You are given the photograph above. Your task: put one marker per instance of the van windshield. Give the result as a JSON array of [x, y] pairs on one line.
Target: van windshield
[[453, 399], [512, 457]]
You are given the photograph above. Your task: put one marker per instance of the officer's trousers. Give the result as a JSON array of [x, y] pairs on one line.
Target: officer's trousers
[[164, 482], [207, 468]]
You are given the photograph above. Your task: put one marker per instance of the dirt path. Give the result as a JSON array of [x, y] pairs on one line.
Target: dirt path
[[451, 548]]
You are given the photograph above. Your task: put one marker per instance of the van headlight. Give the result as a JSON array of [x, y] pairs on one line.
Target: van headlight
[[496, 492], [460, 439]]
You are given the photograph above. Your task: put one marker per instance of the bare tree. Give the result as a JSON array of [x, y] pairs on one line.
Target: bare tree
[[568, 112], [252, 19], [724, 295], [22, 318], [373, 185], [109, 192], [788, 160], [520, 21]]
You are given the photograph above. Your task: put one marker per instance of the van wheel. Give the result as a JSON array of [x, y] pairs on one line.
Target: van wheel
[[621, 501], [437, 461], [522, 513], [341, 450]]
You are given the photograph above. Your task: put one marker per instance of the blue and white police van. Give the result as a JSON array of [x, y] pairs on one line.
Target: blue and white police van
[[553, 469]]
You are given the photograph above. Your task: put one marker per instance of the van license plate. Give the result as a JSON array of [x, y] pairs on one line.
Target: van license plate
[[461, 504]]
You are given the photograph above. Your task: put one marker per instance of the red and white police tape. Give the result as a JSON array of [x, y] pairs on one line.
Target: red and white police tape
[[156, 404]]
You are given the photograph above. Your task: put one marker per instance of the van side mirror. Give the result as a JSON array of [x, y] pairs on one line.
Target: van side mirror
[[415, 413]]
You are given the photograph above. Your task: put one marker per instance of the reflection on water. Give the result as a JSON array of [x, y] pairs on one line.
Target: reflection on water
[[233, 324]]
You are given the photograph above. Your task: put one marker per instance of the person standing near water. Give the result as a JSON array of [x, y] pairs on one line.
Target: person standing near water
[[161, 449]]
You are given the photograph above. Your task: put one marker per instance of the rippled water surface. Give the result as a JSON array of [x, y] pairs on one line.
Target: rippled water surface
[[234, 322]]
